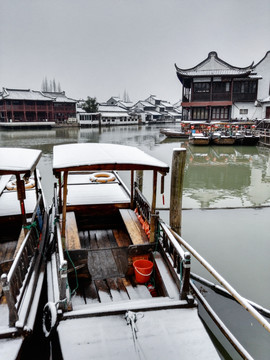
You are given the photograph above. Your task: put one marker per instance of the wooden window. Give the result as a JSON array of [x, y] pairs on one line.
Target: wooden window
[[200, 113], [201, 87], [220, 113], [243, 111]]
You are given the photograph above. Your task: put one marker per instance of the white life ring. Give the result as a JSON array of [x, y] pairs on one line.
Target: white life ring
[[28, 184], [102, 177], [49, 318]]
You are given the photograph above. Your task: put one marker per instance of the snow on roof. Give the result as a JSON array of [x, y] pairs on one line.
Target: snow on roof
[[153, 113], [99, 156], [59, 96], [18, 94], [114, 114], [146, 103], [213, 65], [18, 160], [111, 108], [166, 103]]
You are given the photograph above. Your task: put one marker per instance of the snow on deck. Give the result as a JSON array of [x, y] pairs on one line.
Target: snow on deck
[[164, 334]]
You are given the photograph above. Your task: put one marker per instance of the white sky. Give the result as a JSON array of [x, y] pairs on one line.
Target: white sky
[[100, 48]]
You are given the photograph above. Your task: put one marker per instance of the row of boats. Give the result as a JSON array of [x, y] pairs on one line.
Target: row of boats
[[82, 250], [217, 137]]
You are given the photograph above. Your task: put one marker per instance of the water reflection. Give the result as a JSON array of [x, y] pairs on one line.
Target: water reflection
[[215, 176]]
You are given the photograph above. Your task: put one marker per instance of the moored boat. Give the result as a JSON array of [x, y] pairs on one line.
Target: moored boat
[[99, 232], [174, 133], [199, 139], [23, 224], [247, 138], [103, 240], [222, 138]]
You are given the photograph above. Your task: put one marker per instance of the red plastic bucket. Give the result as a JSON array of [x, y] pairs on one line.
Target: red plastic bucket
[[143, 270]]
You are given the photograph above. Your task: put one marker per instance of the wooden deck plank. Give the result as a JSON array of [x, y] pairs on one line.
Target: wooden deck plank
[[103, 291], [91, 295], [132, 293], [103, 240], [93, 240], [117, 289], [72, 234], [84, 239], [7, 250], [101, 264], [121, 237], [111, 237], [135, 231], [20, 241]]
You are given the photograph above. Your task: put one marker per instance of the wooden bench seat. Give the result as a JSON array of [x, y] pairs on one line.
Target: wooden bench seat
[[133, 226], [72, 234], [20, 241]]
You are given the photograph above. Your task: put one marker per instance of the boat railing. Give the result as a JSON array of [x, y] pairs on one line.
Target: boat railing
[[16, 282], [62, 265], [178, 259], [142, 204], [241, 300]]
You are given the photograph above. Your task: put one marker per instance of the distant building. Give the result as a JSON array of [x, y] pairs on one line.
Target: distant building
[[108, 115], [214, 90], [64, 107], [17, 105]]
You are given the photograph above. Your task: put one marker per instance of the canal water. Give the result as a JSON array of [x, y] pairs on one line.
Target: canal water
[[226, 196]]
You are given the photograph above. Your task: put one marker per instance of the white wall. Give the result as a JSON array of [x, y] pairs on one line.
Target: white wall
[[263, 69], [253, 112]]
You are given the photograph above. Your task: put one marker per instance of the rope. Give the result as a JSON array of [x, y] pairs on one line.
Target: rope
[[76, 276], [32, 225], [131, 319]]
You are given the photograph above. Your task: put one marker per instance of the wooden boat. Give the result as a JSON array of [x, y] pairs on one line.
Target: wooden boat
[[102, 237], [99, 230], [199, 139], [247, 138], [222, 138], [23, 222], [174, 133]]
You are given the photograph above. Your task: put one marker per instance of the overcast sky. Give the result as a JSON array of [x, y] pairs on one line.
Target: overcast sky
[[100, 48]]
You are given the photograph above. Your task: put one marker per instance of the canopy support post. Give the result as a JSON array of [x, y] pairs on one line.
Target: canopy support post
[[132, 190], [153, 209], [64, 211]]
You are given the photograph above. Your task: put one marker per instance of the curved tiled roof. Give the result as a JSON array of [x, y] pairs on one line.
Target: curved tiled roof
[[18, 94], [213, 66]]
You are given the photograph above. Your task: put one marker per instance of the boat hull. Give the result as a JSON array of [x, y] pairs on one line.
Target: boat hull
[[223, 141]]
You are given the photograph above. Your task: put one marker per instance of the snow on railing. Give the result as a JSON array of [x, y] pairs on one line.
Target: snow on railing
[[15, 283]]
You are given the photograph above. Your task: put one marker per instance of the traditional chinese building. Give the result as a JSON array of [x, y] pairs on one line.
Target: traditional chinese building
[[214, 90], [18, 105]]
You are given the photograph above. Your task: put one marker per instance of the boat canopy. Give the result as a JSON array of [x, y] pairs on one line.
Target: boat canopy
[[18, 160], [98, 156]]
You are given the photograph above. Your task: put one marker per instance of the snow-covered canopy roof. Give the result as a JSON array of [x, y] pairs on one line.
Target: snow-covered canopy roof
[[98, 156], [18, 160]]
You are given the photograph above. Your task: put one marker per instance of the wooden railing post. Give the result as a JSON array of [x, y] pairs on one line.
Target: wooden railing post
[[13, 315], [184, 276]]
